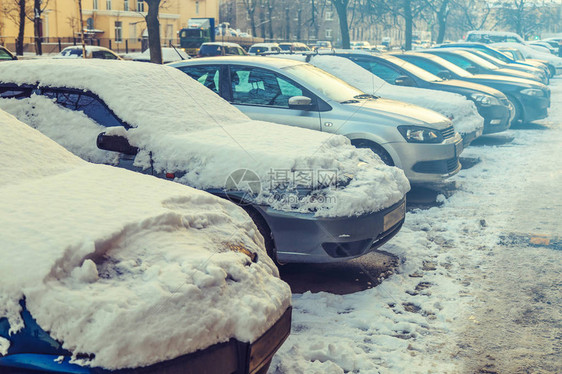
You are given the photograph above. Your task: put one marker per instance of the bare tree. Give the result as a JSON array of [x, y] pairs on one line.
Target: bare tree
[[153, 26], [441, 10], [250, 6], [38, 8], [473, 14], [341, 9]]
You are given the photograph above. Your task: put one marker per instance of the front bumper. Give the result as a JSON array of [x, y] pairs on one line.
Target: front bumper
[[429, 163], [304, 238], [230, 357], [534, 108], [497, 118]]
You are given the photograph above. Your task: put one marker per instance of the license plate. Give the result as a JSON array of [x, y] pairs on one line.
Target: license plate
[[392, 218], [458, 148]]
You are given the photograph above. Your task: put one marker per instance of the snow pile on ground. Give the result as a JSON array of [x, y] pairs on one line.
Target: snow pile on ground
[[182, 127], [462, 111], [131, 268], [418, 320]]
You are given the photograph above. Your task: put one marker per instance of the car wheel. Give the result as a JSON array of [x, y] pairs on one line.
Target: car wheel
[[518, 116], [377, 149], [264, 230]]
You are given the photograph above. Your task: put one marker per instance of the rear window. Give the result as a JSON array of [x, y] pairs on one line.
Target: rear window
[[72, 52], [4, 55], [210, 50]]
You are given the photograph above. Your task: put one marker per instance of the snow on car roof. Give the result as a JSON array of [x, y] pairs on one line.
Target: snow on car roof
[[463, 111], [182, 127], [131, 268]]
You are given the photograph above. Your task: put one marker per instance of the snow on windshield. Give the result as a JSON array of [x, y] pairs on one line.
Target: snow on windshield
[[133, 269], [182, 127]]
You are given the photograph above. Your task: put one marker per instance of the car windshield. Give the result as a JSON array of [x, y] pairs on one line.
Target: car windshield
[[490, 59], [413, 69], [478, 60], [334, 88], [448, 66]]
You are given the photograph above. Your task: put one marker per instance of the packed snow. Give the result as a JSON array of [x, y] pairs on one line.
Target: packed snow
[[464, 299], [462, 111], [181, 127], [128, 267]]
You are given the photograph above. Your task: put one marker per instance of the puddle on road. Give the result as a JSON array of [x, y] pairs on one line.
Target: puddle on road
[[340, 278], [492, 140]]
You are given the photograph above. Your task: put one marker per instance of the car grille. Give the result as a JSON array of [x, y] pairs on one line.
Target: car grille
[[449, 132], [437, 167]]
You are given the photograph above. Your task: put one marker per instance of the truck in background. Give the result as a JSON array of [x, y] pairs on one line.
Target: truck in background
[[203, 30]]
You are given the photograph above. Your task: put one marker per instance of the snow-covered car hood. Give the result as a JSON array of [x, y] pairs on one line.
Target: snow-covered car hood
[[181, 126], [463, 111], [130, 268]]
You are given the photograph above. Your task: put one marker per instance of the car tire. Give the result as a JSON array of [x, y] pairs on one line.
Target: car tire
[[377, 149], [518, 117], [265, 231]]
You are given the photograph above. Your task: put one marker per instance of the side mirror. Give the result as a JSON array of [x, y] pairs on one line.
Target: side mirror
[[116, 143], [300, 103], [472, 69], [404, 81], [444, 74]]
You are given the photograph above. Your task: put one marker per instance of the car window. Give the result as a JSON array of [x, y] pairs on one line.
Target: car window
[[209, 76], [382, 71], [427, 65], [10, 92], [4, 55], [254, 86], [98, 54], [460, 61], [85, 102], [210, 50], [109, 56]]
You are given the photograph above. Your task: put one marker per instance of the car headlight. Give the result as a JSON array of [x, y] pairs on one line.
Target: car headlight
[[485, 100], [532, 92], [416, 134]]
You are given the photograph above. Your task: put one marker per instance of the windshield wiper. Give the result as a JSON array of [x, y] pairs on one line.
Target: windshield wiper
[[349, 101], [365, 97]]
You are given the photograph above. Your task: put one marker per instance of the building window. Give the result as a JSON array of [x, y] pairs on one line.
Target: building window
[[169, 32], [108, 4], [118, 31], [95, 4], [133, 31], [197, 7], [329, 16], [329, 33], [140, 6], [126, 5]]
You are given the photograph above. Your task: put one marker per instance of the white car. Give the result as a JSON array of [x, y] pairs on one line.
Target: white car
[[117, 270], [91, 52], [259, 48], [168, 55]]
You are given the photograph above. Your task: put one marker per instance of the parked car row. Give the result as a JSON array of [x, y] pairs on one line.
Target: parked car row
[[306, 162]]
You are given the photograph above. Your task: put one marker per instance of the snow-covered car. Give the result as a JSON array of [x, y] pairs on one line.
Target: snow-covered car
[[105, 269], [554, 62], [460, 110], [314, 197], [421, 142], [92, 51], [259, 48], [169, 54]]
